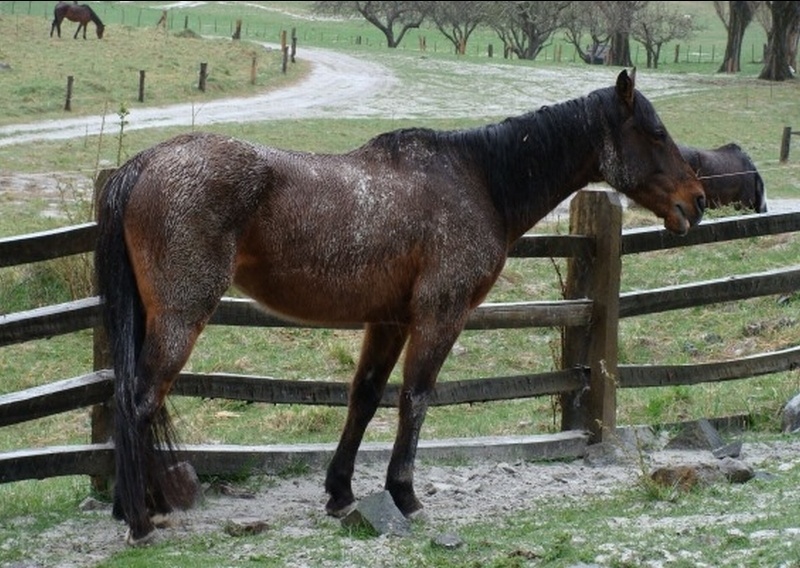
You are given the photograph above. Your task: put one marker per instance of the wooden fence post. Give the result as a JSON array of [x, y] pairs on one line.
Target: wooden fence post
[[203, 76], [102, 414], [68, 102], [596, 276], [141, 85], [785, 143]]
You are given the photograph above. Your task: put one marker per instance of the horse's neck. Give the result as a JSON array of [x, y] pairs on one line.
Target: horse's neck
[[536, 161]]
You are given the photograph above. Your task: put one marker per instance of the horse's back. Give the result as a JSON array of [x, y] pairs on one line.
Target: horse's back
[[315, 237]]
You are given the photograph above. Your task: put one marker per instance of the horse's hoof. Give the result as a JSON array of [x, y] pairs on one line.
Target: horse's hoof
[[161, 521], [339, 511], [150, 538]]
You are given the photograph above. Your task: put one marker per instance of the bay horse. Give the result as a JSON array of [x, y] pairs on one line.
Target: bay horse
[[81, 13], [728, 175], [405, 235]]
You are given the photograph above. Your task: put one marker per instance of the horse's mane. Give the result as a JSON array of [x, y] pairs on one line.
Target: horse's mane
[[516, 154], [95, 18]]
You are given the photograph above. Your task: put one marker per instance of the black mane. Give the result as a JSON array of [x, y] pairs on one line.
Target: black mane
[[533, 154]]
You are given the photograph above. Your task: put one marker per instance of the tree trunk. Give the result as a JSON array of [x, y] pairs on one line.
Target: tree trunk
[[782, 41], [741, 14], [620, 49]]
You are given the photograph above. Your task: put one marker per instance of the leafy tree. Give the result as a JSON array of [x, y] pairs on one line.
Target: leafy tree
[[735, 16], [780, 59], [658, 24], [457, 20], [393, 19], [526, 27]]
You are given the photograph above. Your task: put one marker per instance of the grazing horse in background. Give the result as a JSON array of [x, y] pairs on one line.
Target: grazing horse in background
[[728, 176], [83, 14], [406, 235]]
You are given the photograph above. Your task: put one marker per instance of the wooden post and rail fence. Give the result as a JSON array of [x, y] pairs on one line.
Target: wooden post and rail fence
[[587, 382]]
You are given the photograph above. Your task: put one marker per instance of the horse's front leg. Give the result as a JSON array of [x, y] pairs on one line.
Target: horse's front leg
[[427, 350], [380, 350]]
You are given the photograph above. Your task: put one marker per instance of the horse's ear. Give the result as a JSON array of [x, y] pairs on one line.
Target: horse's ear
[[626, 85]]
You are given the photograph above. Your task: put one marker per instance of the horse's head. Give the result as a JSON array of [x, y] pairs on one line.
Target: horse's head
[[100, 29], [639, 158]]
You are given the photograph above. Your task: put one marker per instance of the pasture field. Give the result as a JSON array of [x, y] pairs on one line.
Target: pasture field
[[739, 108]]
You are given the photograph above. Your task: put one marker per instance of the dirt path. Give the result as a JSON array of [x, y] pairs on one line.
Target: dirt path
[[341, 85], [293, 507]]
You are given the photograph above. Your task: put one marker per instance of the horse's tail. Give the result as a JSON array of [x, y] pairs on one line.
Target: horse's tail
[[123, 318], [124, 321]]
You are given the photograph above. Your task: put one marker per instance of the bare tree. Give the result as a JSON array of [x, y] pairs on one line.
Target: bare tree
[[781, 56], [619, 18], [735, 16], [393, 19], [457, 20], [658, 24], [582, 18], [526, 27]]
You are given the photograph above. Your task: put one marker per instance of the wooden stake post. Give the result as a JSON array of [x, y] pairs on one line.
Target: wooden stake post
[[596, 275]]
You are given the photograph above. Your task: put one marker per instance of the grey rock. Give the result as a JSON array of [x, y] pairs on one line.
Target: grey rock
[[378, 514], [449, 541], [790, 420]]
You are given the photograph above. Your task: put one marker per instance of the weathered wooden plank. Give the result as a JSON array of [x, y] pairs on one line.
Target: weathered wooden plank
[[234, 460], [283, 391], [275, 459], [42, 323], [709, 292], [551, 246], [515, 315], [710, 231], [57, 397], [634, 376], [510, 315], [47, 245], [57, 461]]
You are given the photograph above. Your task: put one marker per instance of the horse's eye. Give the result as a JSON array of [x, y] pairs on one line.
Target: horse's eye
[[660, 134]]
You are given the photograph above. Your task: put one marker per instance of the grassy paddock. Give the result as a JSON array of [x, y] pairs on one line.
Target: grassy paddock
[[739, 109]]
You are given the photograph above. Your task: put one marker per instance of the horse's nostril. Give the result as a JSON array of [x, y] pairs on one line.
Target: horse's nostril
[[701, 203]]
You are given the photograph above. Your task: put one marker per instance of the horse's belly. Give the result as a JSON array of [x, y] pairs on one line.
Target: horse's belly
[[324, 297]]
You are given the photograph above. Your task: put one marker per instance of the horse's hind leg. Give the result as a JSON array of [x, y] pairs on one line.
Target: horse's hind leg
[[379, 353], [427, 350], [147, 485]]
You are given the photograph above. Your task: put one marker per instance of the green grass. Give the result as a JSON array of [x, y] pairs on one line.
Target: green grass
[[740, 109]]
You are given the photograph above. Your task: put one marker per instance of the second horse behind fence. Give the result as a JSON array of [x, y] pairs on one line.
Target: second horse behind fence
[[728, 175], [81, 13], [405, 235]]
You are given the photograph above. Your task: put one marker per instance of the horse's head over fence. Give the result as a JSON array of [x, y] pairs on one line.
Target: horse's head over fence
[[638, 157], [405, 234], [728, 175]]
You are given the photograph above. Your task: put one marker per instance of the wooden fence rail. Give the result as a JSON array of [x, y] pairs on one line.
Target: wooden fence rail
[[589, 320]]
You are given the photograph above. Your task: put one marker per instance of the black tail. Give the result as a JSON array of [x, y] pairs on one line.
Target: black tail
[[123, 318], [140, 470]]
